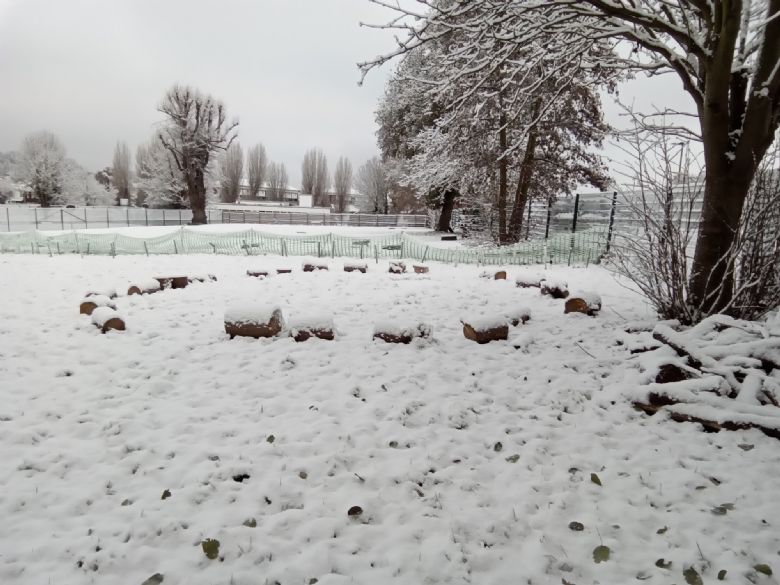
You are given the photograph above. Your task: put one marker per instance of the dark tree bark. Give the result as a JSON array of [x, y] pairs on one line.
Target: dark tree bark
[[447, 205], [523, 185], [502, 179], [196, 186]]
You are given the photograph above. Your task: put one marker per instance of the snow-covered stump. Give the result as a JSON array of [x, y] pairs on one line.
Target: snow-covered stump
[[392, 333], [89, 304], [167, 282], [308, 326], [420, 269], [312, 266], [106, 292], [202, 278], [494, 274], [107, 319], [252, 320], [528, 280], [397, 267], [257, 273], [518, 316], [587, 303], [144, 287], [355, 267], [486, 329], [557, 289]]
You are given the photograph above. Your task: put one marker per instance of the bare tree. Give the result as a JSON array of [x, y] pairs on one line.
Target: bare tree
[[342, 183], [120, 176], [373, 184], [314, 175], [256, 162], [277, 181], [196, 128], [42, 166], [725, 53], [231, 167]]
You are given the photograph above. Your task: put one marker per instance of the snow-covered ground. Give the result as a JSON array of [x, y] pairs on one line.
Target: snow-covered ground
[[504, 463]]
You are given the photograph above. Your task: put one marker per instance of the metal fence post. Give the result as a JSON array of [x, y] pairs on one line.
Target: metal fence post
[[35, 211], [146, 215], [163, 216], [108, 219], [549, 215], [62, 220], [611, 219], [86, 223], [8, 218], [180, 217], [128, 214], [576, 212]]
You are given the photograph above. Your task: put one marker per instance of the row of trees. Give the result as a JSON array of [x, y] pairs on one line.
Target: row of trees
[[507, 67]]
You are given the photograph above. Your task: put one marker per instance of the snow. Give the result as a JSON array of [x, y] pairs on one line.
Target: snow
[[99, 300], [250, 312], [146, 284], [485, 322], [469, 461], [592, 298], [311, 320], [528, 278]]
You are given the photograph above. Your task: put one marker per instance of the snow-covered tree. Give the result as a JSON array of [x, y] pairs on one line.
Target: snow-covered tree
[[42, 166], [342, 183], [195, 129], [121, 177], [256, 163], [159, 180], [314, 175], [231, 167], [726, 54], [277, 181], [372, 183], [80, 187]]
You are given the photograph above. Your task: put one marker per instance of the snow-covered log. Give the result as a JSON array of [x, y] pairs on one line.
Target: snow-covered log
[[109, 292], [312, 265], [143, 287], [253, 320], [89, 304], [308, 326], [518, 316], [167, 282], [494, 274], [393, 333], [107, 319], [528, 280], [355, 267], [557, 289], [486, 329], [283, 270], [202, 278], [397, 267], [587, 303], [257, 273]]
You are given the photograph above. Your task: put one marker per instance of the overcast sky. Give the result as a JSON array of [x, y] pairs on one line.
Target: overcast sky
[[93, 72]]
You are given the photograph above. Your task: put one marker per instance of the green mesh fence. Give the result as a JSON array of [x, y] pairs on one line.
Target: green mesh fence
[[562, 248]]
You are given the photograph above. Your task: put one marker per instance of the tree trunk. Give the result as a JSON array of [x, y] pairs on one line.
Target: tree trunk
[[447, 205], [196, 186], [502, 180], [712, 273], [523, 185]]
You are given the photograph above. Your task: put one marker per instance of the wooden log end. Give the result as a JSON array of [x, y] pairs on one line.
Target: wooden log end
[[485, 335]]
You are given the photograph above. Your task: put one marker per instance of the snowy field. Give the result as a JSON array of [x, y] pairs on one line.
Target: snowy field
[[507, 463]]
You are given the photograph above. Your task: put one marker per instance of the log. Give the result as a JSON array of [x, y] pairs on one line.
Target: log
[[450, 238], [107, 319], [420, 269], [585, 303], [528, 281], [397, 267], [519, 316], [556, 289], [500, 275], [391, 333], [202, 278], [312, 266], [306, 327], [108, 292], [172, 281], [283, 270], [145, 287], [669, 337], [486, 330], [89, 304], [257, 273], [253, 321], [670, 373], [361, 267]]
